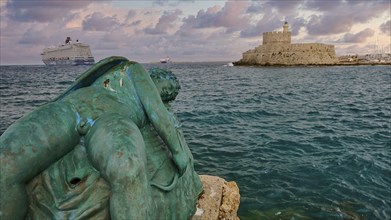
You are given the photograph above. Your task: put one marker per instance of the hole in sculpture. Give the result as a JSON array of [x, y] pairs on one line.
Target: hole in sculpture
[[106, 83], [75, 181]]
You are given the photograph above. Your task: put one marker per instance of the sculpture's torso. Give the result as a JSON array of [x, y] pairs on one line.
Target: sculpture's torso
[[111, 93]]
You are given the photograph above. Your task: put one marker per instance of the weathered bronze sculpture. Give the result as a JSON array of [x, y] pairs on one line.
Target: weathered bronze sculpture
[[108, 147]]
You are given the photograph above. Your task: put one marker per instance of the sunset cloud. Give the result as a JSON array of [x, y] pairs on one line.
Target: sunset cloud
[[359, 37], [231, 17], [342, 18], [166, 22]]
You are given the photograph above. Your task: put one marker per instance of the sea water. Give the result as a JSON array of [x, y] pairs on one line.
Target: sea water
[[300, 142]]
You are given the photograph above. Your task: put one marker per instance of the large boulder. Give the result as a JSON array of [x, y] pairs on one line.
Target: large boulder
[[220, 199]]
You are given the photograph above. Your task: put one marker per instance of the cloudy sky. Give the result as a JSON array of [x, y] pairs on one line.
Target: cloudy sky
[[187, 30]]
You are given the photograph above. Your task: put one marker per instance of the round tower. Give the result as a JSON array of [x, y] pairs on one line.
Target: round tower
[[285, 27]]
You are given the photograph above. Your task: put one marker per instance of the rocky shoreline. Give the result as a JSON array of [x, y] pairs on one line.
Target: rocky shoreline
[[241, 63], [219, 201]]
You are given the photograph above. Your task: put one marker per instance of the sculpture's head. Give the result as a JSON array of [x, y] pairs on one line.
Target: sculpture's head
[[166, 83]]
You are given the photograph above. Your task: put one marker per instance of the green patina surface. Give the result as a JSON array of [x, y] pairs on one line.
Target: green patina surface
[[107, 148]]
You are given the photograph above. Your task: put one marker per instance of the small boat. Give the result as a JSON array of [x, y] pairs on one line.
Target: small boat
[[165, 60]]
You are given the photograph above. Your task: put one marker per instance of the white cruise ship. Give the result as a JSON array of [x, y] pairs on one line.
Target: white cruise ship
[[68, 54]]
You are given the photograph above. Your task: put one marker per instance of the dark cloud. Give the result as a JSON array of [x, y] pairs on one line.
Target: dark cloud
[[282, 7], [171, 3], [129, 18], [253, 31], [295, 24], [187, 28], [165, 22], [33, 36], [230, 17], [360, 37], [136, 23], [269, 22], [131, 14], [342, 18], [99, 22], [272, 24], [273, 14], [40, 10], [322, 6], [386, 27], [328, 6], [285, 7], [328, 24], [160, 2], [256, 7], [260, 28], [328, 18]]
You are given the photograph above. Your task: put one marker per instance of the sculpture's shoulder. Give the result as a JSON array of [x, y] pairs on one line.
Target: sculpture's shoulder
[[92, 74]]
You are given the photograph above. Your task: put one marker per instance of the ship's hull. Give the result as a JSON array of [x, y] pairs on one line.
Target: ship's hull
[[69, 62]]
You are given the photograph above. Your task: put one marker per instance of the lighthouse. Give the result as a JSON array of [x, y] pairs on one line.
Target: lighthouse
[[285, 28]]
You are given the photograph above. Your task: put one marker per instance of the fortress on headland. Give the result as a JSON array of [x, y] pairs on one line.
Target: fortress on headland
[[278, 50]]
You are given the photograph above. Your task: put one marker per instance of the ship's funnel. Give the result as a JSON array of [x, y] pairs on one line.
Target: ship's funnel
[[68, 40]]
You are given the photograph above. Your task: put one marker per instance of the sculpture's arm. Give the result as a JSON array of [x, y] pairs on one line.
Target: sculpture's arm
[[158, 114]]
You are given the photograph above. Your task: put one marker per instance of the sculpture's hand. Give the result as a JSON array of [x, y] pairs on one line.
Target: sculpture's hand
[[181, 160]]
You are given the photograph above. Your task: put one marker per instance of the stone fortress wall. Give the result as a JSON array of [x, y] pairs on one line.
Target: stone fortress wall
[[276, 37], [278, 50]]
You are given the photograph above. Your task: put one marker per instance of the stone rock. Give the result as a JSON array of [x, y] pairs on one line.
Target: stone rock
[[231, 200], [220, 200]]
